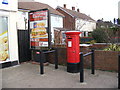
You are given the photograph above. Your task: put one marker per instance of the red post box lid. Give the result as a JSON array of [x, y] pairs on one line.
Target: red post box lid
[[72, 32]]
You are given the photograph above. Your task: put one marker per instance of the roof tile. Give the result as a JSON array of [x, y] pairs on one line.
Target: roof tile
[[76, 14], [36, 6]]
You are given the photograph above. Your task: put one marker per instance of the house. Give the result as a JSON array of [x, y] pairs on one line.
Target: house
[[75, 20], [25, 7], [104, 24]]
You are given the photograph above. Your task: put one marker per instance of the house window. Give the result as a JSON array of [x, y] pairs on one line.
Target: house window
[[57, 19], [63, 35], [63, 38], [89, 34], [83, 34]]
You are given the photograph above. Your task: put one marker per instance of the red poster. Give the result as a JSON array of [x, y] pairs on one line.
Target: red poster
[[37, 16]]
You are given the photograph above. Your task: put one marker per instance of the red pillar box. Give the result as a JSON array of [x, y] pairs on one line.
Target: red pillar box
[[73, 50]]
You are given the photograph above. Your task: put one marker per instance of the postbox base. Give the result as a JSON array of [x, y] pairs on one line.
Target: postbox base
[[73, 67]]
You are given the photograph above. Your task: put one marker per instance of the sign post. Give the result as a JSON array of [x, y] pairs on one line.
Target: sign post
[[40, 35]]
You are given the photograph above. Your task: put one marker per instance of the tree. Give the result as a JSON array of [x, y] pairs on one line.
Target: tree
[[106, 35]]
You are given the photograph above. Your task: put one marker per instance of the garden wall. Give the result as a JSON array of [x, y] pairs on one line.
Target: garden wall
[[104, 60]]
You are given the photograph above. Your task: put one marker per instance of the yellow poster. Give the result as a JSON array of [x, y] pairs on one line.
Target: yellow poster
[[4, 55]]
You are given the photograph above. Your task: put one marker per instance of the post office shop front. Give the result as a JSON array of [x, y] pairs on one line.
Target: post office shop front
[[8, 33]]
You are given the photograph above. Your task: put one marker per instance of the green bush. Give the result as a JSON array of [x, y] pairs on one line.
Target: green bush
[[113, 47], [100, 35]]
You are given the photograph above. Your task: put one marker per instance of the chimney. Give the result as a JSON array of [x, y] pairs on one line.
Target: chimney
[[73, 8], [64, 5], [78, 10]]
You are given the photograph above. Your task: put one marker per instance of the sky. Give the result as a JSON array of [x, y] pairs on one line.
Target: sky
[[96, 9]]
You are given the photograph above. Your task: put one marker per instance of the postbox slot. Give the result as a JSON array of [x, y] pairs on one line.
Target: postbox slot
[[69, 38]]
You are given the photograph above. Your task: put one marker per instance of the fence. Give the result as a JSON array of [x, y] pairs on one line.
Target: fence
[[41, 57], [23, 46], [85, 39], [82, 64]]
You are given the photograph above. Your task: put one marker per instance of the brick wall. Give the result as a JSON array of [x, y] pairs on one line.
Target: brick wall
[[62, 58], [104, 60], [99, 46]]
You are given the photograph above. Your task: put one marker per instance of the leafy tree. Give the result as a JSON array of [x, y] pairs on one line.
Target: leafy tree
[[106, 35]]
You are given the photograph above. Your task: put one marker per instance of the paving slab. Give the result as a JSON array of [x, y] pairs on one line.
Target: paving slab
[[27, 75]]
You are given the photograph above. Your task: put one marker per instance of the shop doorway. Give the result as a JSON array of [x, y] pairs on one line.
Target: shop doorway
[[24, 46]]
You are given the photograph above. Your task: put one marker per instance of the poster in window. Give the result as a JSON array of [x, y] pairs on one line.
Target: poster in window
[[38, 29], [4, 50]]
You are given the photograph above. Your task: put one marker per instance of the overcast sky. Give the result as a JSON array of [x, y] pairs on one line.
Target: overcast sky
[[97, 9]]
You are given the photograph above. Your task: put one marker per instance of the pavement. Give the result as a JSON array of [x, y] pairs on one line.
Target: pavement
[[27, 75]]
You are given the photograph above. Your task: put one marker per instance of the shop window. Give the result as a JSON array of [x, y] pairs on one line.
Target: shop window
[[4, 55]]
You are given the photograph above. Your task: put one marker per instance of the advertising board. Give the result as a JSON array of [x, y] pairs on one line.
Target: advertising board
[[39, 29]]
